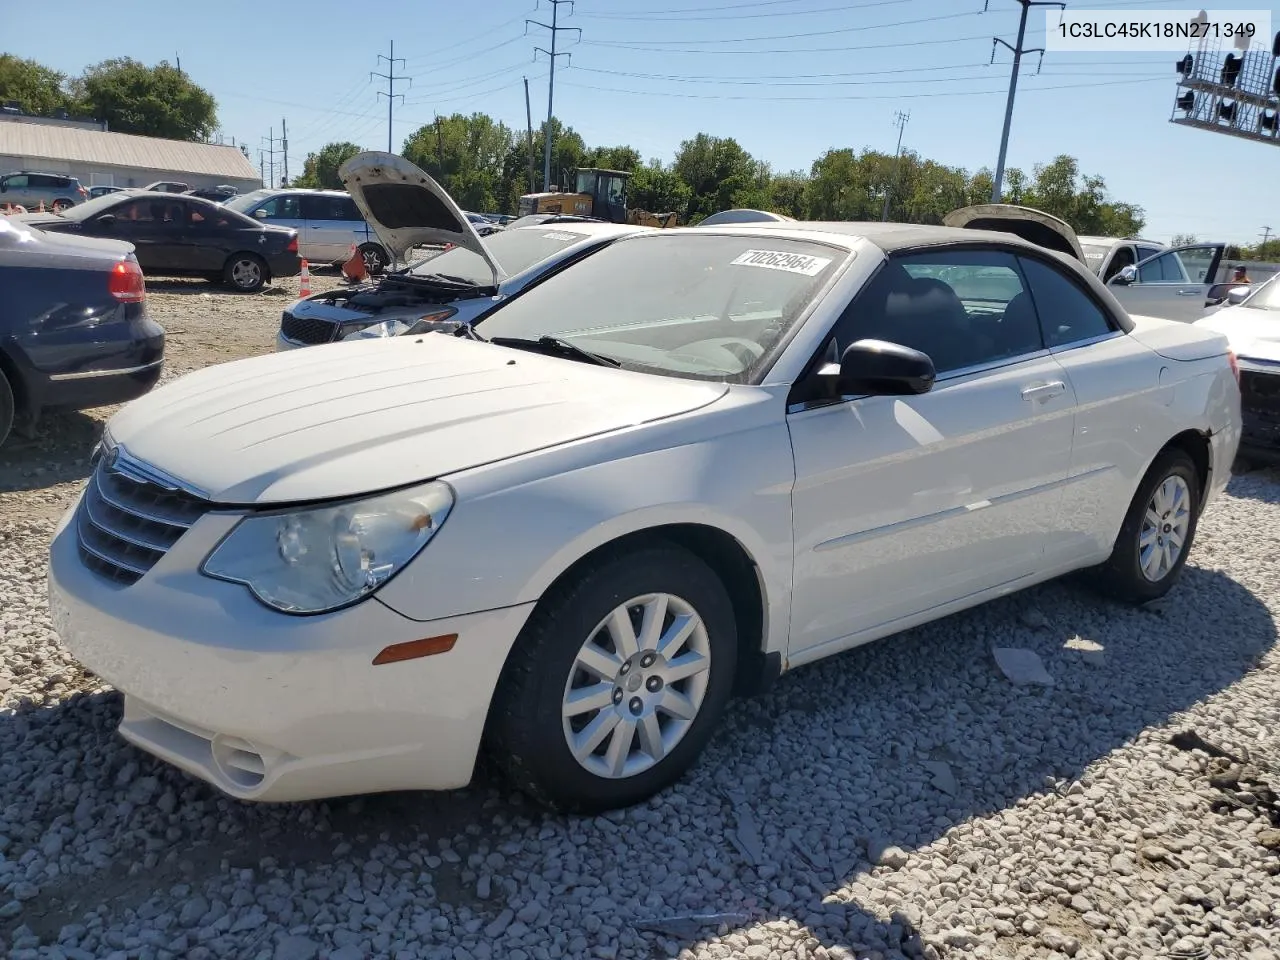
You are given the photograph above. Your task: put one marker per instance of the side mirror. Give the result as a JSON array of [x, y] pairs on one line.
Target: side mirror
[[106, 220], [4, 186], [1237, 295], [1126, 276], [260, 214], [880, 368]]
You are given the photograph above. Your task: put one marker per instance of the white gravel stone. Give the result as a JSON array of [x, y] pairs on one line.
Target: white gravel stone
[[1074, 829]]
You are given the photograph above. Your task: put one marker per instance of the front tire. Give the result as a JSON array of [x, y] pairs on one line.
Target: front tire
[[245, 272], [1157, 532], [616, 683], [58, 206]]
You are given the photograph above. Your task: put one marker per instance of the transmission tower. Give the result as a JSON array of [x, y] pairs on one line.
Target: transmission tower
[[1018, 51], [556, 30], [390, 93], [270, 153], [900, 121]]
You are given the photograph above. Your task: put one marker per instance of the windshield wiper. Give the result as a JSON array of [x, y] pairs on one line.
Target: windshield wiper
[[556, 345]]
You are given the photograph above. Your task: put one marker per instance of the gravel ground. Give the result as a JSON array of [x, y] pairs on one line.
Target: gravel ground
[[902, 800]]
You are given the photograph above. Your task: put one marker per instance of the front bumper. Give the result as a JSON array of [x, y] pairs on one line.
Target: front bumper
[[267, 706]]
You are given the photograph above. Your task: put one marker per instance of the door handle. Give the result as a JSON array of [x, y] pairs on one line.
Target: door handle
[[1190, 293], [1044, 391]]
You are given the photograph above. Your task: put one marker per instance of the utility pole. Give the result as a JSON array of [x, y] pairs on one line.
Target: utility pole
[[528, 119], [390, 93], [1018, 51], [1266, 235], [555, 28], [284, 145], [262, 167], [900, 121], [271, 152]]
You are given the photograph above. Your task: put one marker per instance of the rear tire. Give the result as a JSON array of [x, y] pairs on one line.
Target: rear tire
[[583, 722], [375, 258], [59, 205], [1158, 531], [245, 272], [7, 408]]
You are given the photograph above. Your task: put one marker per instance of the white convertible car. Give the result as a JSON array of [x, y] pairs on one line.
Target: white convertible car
[[697, 459]]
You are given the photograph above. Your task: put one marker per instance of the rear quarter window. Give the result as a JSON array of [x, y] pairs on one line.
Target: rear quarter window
[[1067, 314]]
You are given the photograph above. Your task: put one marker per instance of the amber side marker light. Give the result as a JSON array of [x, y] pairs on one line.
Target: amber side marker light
[[413, 649]]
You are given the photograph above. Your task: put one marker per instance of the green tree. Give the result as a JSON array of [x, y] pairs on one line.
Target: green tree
[[37, 89], [621, 158], [658, 189], [1185, 240], [320, 169], [1058, 188], [159, 101], [720, 175], [465, 154]]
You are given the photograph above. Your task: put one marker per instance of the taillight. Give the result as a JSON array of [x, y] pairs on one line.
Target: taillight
[[1235, 366], [293, 244], [126, 283]]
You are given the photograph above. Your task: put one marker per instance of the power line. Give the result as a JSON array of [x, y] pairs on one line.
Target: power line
[[665, 44], [391, 77], [455, 44], [1018, 51], [878, 96], [828, 80], [702, 51], [746, 16], [731, 6], [555, 30]]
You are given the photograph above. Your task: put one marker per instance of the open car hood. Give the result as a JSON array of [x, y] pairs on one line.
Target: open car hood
[[1031, 225], [407, 209]]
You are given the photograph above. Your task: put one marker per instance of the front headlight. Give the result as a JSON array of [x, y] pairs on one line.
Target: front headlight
[[395, 328], [100, 449], [323, 558]]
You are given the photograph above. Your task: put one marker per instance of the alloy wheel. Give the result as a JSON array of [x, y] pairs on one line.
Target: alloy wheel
[[636, 686], [1164, 528], [246, 274]]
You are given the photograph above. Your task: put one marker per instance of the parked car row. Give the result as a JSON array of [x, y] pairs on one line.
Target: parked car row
[[567, 526], [178, 235]]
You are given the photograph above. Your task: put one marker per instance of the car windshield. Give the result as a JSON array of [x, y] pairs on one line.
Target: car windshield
[[1266, 297], [91, 208], [246, 201], [703, 307], [515, 250]]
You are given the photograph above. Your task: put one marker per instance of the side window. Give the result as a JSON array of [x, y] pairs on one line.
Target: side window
[[963, 308], [18, 182], [350, 211], [1122, 257], [283, 208], [1163, 269], [320, 208], [139, 211], [1067, 314], [40, 181], [1144, 252]]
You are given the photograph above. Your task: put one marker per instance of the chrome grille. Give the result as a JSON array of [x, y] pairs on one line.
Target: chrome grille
[[124, 526], [307, 329]]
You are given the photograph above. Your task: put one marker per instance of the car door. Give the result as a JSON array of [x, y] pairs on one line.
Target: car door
[[146, 222], [1117, 384], [205, 244], [906, 503], [1174, 284], [326, 234]]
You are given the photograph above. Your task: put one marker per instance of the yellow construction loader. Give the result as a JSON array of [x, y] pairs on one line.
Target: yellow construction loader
[[601, 194]]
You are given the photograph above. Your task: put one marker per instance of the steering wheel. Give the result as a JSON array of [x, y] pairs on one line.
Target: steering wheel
[[729, 353]]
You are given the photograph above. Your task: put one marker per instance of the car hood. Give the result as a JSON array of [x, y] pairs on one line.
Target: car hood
[[1253, 333], [353, 418], [407, 209], [1034, 226]]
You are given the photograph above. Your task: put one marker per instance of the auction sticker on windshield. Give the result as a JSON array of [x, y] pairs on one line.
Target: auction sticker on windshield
[[778, 260]]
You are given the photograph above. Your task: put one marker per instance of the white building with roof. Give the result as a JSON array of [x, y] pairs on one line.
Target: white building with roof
[[119, 159]]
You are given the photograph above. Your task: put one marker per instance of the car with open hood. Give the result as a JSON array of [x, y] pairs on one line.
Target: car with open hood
[[475, 276], [1172, 283], [570, 531], [1250, 320]]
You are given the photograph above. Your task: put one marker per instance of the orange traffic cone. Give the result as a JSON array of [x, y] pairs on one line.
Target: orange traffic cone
[[304, 283], [354, 269]]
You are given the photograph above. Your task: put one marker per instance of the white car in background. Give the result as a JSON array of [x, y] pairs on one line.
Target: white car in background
[[1171, 283], [1251, 323], [479, 273], [699, 458]]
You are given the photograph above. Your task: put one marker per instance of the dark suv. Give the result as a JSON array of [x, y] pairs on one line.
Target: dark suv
[[29, 189], [74, 330]]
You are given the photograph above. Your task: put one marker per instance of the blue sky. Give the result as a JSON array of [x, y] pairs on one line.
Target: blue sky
[[787, 78]]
